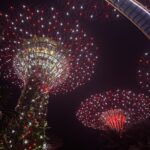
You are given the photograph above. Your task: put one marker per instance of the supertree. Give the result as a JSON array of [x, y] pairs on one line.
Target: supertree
[[50, 53], [117, 110], [143, 72]]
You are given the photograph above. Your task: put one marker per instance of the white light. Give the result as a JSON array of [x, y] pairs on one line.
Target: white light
[[67, 13], [54, 17], [24, 6], [13, 131], [73, 7], [41, 137], [81, 7], [91, 16], [25, 141], [10, 141], [52, 8], [22, 21]]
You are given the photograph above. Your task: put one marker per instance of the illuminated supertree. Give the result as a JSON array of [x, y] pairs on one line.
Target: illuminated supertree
[[143, 72], [116, 110], [49, 52]]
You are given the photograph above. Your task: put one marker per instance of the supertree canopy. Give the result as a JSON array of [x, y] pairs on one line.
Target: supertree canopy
[[116, 110], [51, 30], [49, 52], [143, 72], [43, 59]]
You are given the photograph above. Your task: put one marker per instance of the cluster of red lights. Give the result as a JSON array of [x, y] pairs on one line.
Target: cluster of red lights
[[115, 119], [116, 109]]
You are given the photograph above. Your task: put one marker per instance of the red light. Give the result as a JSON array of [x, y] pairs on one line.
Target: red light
[[115, 120]]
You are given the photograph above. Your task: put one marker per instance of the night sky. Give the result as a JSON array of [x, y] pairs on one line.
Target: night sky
[[121, 44]]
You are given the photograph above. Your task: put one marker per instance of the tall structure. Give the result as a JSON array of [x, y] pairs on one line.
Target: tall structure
[[42, 67], [117, 110], [50, 53], [135, 12]]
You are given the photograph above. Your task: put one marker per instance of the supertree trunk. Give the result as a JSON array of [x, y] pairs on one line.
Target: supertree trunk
[[135, 13], [28, 132]]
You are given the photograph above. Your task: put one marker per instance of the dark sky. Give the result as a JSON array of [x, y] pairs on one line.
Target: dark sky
[[121, 46]]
